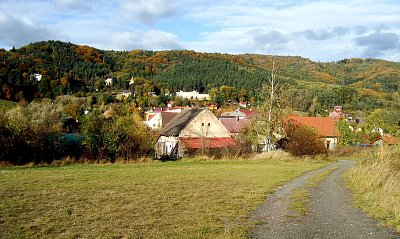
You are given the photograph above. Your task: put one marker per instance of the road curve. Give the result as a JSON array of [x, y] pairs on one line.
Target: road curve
[[331, 215]]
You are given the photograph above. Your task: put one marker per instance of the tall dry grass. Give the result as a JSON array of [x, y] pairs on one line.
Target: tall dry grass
[[351, 152], [375, 182]]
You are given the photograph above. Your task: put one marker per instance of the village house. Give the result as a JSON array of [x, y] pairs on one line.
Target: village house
[[37, 77], [385, 139], [235, 125], [192, 130], [324, 125], [108, 81], [243, 104], [241, 114], [158, 118], [337, 113]]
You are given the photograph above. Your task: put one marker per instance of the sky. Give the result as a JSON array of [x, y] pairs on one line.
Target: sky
[[321, 30]]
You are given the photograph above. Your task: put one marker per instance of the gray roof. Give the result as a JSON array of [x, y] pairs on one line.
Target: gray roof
[[180, 121]]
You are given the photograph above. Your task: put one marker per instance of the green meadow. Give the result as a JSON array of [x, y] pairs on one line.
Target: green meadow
[[184, 199]]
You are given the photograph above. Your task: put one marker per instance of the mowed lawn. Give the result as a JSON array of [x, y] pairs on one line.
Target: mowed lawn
[[198, 199]]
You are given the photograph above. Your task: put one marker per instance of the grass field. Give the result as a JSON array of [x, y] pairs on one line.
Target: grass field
[[198, 199], [7, 104], [375, 183]]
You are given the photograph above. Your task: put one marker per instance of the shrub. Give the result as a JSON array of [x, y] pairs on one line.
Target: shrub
[[304, 140]]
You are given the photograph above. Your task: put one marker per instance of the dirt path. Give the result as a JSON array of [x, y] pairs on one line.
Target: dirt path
[[331, 212]]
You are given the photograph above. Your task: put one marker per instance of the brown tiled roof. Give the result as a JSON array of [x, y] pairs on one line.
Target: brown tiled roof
[[233, 125], [211, 143], [167, 117], [325, 125], [180, 121]]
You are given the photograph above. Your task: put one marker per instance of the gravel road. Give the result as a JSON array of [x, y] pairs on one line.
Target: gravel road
[[331, 212]]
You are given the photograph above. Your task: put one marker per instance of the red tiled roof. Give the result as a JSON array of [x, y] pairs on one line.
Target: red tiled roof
[[150, 117], [387, 139], [249, 113], [233, 125], [325, 125], [212, 143]]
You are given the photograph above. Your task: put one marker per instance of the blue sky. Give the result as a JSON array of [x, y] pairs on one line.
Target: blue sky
[[317, 29]]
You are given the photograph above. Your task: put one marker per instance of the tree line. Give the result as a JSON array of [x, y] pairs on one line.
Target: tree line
[[69, 127]]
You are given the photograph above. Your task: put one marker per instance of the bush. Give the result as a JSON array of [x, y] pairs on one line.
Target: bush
[[304, 140]]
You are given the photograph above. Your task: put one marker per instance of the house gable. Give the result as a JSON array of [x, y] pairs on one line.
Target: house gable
[[153, 120], [205, 124], [179, 122]]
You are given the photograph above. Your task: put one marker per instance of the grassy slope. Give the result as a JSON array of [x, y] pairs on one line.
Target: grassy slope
[[202, 199]]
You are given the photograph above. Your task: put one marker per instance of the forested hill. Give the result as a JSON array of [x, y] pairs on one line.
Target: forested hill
[[66, 68]]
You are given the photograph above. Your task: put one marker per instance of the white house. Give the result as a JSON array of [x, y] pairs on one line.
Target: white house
[[193, 94], [36, 76], [158, 118], [153, 120], [109, 81]]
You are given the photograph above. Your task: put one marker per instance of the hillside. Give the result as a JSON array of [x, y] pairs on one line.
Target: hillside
[[66, 68]]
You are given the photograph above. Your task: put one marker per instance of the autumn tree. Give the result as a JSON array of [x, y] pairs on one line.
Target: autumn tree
[[267, 127], [346, 135], [303, 140]]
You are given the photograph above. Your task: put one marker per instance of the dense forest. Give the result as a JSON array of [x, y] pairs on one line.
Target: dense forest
[[53, 68]]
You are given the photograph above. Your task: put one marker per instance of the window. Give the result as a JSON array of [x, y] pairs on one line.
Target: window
[[209, 124], [202, 124]]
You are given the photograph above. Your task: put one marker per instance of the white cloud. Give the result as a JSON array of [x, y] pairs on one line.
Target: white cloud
[[320, 30], [18, 32], [379, 43], [148, 11], [148, 40]]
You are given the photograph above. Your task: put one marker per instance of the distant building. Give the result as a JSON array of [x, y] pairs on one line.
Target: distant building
[[192, 130], [36, 76], [132, 81], [337, 113], [385, 140], [159, 117], [241, 114], [235, 125], [193, 94], [325, 126], [109, 81], [212, 106], [244, 104]]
